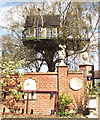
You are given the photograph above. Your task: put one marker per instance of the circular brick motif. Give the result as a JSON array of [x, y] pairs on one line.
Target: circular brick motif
[[76, 83]]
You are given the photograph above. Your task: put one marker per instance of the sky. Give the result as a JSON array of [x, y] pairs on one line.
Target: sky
[[5, 4]]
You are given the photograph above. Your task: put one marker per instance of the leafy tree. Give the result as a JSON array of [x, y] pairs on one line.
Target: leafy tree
[[76, 21]]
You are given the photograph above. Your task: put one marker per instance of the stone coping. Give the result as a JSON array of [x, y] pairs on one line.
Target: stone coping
[[41, 73], [49, 73], [75, 72]]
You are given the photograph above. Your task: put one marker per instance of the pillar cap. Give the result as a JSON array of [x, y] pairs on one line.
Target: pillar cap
[[64, 65], [85, 64]]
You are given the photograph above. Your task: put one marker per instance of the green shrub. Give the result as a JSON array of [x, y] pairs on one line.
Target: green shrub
[[63, 104]]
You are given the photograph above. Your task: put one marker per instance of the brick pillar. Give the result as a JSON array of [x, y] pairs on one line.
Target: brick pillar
[[85, 69], [62, 78]]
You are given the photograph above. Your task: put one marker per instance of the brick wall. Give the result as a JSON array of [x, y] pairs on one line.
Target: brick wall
[[60, 80], [44, 103]]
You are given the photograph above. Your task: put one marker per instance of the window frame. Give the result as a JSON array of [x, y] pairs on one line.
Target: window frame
[[51, 33], [38, 32]]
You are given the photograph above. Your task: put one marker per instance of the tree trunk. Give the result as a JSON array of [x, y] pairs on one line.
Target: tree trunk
[[51, 66]]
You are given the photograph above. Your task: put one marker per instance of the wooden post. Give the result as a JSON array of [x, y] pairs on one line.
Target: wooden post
[[27, 102]]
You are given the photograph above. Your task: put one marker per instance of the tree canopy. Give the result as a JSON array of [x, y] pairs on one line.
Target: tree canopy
[[76, 29]]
